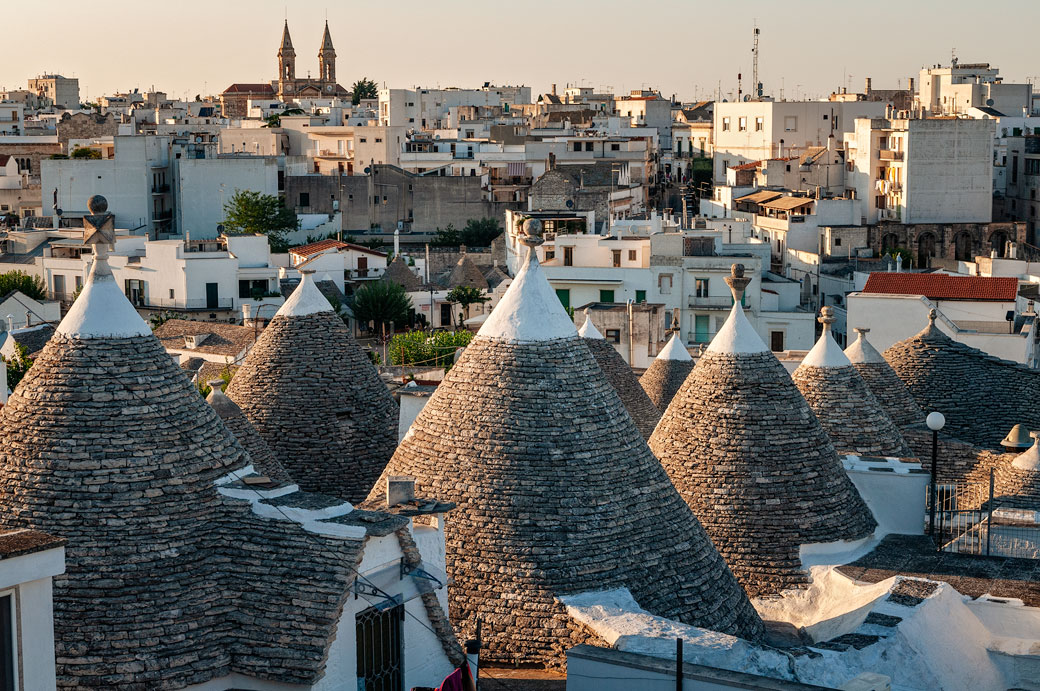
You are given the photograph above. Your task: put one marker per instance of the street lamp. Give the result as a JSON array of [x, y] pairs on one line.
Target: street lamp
[[935, 422]]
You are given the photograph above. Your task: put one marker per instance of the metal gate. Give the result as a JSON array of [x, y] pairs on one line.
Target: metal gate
[[380, 665]]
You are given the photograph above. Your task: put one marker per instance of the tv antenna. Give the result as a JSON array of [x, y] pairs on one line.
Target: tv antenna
[[756, 86]]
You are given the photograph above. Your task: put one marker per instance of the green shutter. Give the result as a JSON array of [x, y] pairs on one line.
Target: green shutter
[[565, 297], [640, 296], [606, 296]]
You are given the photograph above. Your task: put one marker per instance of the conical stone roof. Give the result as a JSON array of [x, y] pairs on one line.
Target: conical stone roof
[[842, 402], [748, 455], [466, 273], [398, 272], [264, 459], [981, 396], [883, 382], [316, 399], [643, 411], [667, 372], [107, 443], [557, 492]]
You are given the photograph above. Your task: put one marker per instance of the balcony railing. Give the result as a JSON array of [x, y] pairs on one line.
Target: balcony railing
[[890, 155], [160, 189], [201, 304], [164, 215], [720, 302]]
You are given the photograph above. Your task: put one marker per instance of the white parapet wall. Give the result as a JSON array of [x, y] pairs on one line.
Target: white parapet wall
[[894, 490]]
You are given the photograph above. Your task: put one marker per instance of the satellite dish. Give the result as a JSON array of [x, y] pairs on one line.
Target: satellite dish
[[989, 101], [747, 97], [570, 203], [58, 211], [367, 170]]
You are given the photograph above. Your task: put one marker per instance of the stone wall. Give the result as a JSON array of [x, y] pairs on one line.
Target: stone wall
[[34, 152], [951, 240], [85, 126]]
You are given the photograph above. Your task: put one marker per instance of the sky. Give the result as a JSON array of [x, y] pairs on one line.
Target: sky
[[689, 48]]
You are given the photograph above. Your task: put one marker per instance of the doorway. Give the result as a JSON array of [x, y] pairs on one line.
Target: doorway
[[211, 296], [379, 643]]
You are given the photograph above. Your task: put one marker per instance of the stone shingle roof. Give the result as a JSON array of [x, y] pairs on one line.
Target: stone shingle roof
[[263, 458], [466, 273], [849, 413], [33, 338], [961, 382], [884, 383], [620, 375], [557, 492], [398, 272], [494, 277], [229, 340], [171, 578], [748, 455], [666, 374], [317, 400], [943, 286]]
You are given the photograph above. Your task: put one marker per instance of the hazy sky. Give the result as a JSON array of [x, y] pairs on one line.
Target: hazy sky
[[683, 47]]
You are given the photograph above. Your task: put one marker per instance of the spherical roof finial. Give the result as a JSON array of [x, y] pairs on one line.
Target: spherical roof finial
[[827, 316], [97, 205], [532, 236]]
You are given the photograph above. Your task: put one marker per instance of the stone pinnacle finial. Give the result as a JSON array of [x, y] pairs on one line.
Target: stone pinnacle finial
[[532, 236], [827, 317], [99, 227], [737, 282], [932, 315], [861, 330], [216, 384], [306, 272]]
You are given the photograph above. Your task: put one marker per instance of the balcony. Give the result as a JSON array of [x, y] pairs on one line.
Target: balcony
[[160, 189], [163, 215], [890, 155], [710, 302], [200, 304]]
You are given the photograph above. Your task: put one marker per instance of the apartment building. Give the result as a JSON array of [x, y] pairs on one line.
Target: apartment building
[[955, 89], [12, 118], [745, 132], [428, 109], [56, 90]]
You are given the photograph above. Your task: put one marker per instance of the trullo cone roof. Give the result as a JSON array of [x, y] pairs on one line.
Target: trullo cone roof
[[883, 382], [557, 492], [747, 454], [316, 399], [168, 582], [845, 407], [264, 459], [981, 396], [643, 411], [666, 373]]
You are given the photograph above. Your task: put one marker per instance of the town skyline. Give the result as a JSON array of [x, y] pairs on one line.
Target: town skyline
[[696, 65]]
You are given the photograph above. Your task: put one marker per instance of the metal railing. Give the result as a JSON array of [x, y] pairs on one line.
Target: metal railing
[[970, 519]]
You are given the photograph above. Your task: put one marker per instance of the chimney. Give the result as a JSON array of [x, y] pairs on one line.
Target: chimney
[[910, 85], [553, 89], [866, 87], [400, 489], [10, 322], [28, 319], [247, 313]]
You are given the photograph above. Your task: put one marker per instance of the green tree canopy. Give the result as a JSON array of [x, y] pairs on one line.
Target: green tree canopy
[[479, 232], [256, 213], [429, 350], [18, 365], [275, 119], [83, 152], [466, 296], [363, 88], [29, 286], [381, 302]]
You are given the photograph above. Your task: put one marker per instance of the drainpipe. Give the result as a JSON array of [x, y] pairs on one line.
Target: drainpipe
[[631, 337]]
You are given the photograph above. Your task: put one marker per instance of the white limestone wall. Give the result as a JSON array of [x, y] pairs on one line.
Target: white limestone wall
[[28, 578]]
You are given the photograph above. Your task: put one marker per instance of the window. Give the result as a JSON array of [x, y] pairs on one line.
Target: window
[[379, 140], [742, 124], [700, 328], [606, 296], [790, 123], [614, 335], [837, 242], [588, 146], [363, 140], [615, 147], [380, 640], [565, 297], [725, 124], [568, 256], [577, 146], [7, 642], [171, 293], [640, 296], [249, 289], [701, 287], [759, 124], [631, 255], [616, 255], [664, 284], [776, 341], [305, 199], [1033, 166]]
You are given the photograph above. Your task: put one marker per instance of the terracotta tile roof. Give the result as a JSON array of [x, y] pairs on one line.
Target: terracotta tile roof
[[759, 197], [4, 158], [229, 340], [943, 286], [249, 89], [747, 166], [322, 245]]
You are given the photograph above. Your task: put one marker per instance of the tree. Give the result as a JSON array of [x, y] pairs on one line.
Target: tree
[[82, 152], [381, 302], [29, 286], [18, 365], [256, 213], [466, 296], [275, 119], [449, 236], [364, 88], [479, 232]]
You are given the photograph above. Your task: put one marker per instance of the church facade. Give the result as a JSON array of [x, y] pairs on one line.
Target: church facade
[[288, 87]]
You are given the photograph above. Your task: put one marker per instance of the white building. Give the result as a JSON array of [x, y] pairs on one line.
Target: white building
[[758, 130], [344, 263], [12, 118], [203, 186], [57, 90], [429, 108], [972, 310], [955, 89], [916, 170], [29, 560]]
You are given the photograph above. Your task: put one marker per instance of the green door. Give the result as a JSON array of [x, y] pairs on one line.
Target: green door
[[565, 297], [700, 328], [640, 296]]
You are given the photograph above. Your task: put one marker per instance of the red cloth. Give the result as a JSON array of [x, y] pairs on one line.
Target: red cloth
[[459, 680]]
